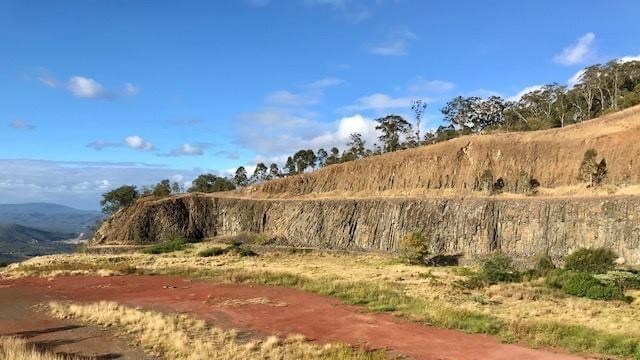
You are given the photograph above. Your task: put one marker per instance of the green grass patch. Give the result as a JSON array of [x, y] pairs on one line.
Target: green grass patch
[[177, 244]]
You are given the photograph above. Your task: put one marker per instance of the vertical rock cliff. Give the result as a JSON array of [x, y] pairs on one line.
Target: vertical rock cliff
[[470, 227]]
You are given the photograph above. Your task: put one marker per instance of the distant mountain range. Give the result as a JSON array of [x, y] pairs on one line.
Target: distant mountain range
[[19, 242], [49, 217], [33, 229]]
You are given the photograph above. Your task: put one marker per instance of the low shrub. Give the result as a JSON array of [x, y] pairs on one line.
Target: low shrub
[[555, 279], [176, 244], [413, 248], [593, 261], [233, 250], [499, 268], [473, 281], [240, 251], [213, 251], [624, 280], [544, 264], [3, 264], [586, 285], [250, 238]]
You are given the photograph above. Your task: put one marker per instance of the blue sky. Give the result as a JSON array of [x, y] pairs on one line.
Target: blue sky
[[94, 94]]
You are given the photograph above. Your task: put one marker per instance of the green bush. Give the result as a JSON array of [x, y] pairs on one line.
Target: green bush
[[586, 285], [176, 244], [544, 264], [240, 251], [624, 280], [593, 261], [413, 248], [499, 268], [233, 250], [3, 264], [214, 251], [555, 279]]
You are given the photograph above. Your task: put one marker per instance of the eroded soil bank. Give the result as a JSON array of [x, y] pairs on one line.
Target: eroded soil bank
[[264, 310]]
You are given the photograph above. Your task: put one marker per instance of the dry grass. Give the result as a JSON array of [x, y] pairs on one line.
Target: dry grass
[[528, 301], [551, 156], [12, 348], [183, 338]]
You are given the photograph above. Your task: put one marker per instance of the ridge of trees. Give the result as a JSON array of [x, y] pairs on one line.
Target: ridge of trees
[[600, 89]]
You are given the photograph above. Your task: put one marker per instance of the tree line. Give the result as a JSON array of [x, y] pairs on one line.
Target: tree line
[[599, 89]]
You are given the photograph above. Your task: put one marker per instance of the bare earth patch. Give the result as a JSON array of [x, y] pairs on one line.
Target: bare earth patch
[[322, 319]]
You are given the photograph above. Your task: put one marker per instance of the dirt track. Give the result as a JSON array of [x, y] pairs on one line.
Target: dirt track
[[266, 310]]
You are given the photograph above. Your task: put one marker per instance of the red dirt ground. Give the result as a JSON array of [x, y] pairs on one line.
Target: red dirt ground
[[64, 337], [280, 311]]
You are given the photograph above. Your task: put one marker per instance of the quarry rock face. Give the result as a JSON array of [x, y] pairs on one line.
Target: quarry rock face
[[469, 227]]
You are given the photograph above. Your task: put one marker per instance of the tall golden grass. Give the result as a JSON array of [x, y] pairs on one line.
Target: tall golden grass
[[181, 337]]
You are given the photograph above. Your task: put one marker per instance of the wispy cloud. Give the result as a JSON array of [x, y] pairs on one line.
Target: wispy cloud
[[579, 52], [351, 10], [394, 44], [378, 101], [258, 3], [102, 144], [133, 142], [187, 150], [130, 90], [45, 78], [423, 86], [188, 121], [84, 87], [309, 94], [78, 183], [231, 155], [523, 92], [20, 124]]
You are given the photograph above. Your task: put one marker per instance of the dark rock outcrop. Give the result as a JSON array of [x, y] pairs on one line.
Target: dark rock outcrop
[[520, 227]]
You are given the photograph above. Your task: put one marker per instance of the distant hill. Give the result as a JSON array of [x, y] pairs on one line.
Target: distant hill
[[49, 217], [18, 242]]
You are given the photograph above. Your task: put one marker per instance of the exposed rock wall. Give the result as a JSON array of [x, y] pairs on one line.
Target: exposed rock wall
[[522, 227]]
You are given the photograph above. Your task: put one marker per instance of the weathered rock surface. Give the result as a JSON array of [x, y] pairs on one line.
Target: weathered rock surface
[[521, 227]]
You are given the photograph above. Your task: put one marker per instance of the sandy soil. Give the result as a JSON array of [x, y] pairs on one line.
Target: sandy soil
[[263, 310]]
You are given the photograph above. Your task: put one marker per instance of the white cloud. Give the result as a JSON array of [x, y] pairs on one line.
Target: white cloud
[[342, 130], [78, 184], [138, 143], [578, 52], [575, 79], [84, 87], [187, 150], [21, 125], [524, 91], [130, 90], [379, 101], [484, 93], [87, 88], [395, 44], [629, 58]]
